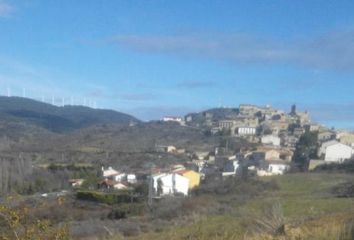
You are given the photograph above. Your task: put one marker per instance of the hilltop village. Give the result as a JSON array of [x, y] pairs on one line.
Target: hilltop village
[[271, 142], [133, 177]]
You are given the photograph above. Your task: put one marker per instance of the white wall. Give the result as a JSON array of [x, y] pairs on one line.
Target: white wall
[[338, 153], [171, 184], [270, 139], [246, 131], [278, 169]]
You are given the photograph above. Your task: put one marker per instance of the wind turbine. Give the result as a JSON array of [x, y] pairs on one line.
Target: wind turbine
[[8, 92]]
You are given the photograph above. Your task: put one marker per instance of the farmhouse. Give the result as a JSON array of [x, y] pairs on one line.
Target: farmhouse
[[274, 168], [334, 151], [194, 177], [170, 184]]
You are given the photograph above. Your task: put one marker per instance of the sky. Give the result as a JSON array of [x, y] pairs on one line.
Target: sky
[[152, 58]]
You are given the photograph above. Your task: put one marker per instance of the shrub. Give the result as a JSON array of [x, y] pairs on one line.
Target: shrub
[[345, 190], [15, 224], [124, 210], [345, 167], [271, 222], [107, 198]]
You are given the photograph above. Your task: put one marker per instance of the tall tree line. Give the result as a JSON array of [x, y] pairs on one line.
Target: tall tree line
[[13, 172]]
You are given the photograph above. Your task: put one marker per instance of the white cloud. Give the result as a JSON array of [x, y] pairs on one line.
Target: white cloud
[[5, 9], [333, 50]]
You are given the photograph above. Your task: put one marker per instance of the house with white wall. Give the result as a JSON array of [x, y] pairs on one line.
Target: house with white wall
[[170, 184], [172, 119], [109, 172], [270, 140], [334, 151], [274, 168], [246, 131], [114, 175]]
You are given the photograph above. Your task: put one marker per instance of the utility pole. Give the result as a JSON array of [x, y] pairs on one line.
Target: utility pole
[[151, 189]]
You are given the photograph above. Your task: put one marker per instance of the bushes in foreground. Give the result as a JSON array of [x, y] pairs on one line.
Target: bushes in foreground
[[107, 198], [345, 167], [15, 224]]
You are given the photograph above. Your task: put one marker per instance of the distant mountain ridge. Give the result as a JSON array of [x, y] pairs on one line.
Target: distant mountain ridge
[[57, 119]]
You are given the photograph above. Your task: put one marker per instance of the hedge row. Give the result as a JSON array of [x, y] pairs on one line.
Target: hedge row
[[107, 198]]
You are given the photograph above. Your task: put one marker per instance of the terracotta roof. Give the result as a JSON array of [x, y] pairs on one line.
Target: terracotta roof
[[182, 171], [108, 182]]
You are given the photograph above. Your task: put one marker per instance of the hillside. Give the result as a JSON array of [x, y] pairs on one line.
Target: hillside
[[213, 114], [141, 137], [117, 145], [302, 206], [56, 119]]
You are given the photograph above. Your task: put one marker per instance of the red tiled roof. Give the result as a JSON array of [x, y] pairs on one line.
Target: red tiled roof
[[182, 171]]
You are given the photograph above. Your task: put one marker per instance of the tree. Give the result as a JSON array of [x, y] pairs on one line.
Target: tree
[[306, 148], [90, 182]]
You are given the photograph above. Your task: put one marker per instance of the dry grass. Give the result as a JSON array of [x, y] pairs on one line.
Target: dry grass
[[302, 209], [340, 227]]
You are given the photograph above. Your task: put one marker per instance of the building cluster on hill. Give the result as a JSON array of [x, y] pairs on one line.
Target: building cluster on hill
[[275, 134], [272, 138]]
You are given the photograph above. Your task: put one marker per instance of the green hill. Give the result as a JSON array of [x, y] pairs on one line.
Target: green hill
[[56, 119]]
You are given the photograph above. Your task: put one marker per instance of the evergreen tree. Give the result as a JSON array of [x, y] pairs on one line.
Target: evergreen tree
[[306, 149]]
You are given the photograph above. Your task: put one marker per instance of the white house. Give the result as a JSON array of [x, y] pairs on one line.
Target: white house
[[334, 151], [114, 175], [109, 172], [244, 131], [131, 178], [172, 119], [274, 168], [278, 168], [170, 184], [271, 140], [119, 177]]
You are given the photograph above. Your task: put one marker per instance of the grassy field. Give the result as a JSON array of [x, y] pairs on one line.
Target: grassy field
[[307, 207]]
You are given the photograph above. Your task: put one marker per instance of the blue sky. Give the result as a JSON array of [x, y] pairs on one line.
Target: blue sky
[[161, 57]]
